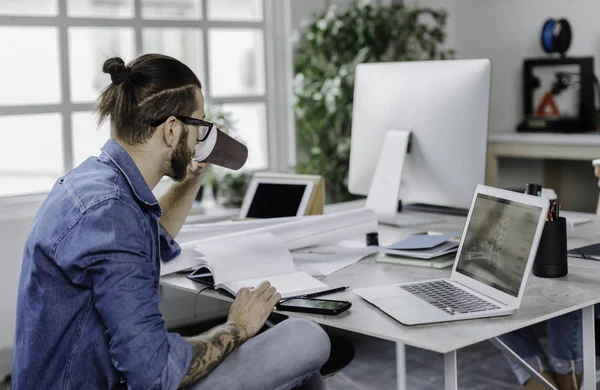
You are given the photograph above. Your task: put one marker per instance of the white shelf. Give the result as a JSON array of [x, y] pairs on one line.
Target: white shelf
[[555, 139]]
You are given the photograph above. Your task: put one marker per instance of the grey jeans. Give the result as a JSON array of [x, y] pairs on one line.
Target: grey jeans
[[287, 356]]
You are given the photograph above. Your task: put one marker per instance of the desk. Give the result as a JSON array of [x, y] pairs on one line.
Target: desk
[[540, 146], [544, 299]]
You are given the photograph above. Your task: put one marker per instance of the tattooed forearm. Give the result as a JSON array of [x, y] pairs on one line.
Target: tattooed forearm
[[209, 350]]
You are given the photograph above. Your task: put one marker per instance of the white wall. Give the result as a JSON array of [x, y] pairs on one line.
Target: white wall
[[508, 31]]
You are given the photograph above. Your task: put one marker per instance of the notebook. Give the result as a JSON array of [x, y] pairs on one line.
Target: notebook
[[423, 241], [236, 262], [444, 261], [590, 252], [423, 246]]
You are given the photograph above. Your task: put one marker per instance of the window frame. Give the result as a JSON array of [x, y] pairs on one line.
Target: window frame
[[277, 97]]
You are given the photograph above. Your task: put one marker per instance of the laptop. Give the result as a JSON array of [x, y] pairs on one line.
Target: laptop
[[493, 262]]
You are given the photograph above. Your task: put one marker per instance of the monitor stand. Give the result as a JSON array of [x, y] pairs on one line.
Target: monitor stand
[[385, 187]]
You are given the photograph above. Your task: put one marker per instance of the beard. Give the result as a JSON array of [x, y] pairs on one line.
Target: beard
[[180, 159]]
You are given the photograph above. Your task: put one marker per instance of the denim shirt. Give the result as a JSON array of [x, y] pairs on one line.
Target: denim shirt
[[87, 308]]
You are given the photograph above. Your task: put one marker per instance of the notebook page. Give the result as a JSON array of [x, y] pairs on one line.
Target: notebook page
[[188, 258], [246, 257], [288, 285]]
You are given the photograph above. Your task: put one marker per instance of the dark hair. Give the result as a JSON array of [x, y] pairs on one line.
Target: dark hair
[[150, 88]]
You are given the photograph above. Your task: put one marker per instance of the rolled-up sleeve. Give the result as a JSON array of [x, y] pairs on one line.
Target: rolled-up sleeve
[[169, 249], [119, 269]]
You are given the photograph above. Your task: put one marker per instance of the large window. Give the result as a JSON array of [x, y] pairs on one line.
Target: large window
[[51, 56]]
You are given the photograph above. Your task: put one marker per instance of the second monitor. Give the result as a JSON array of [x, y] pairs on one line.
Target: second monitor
[[419, 134]]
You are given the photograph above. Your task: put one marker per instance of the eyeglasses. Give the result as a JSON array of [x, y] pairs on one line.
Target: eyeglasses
[[204, 127]]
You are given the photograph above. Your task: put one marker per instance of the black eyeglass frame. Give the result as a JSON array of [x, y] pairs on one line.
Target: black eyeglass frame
[[189, 121]]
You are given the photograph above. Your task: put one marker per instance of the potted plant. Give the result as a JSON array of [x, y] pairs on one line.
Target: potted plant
[[326, 55], [232, 189]]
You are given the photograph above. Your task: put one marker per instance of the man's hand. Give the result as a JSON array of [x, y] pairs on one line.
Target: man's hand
[[248, 314], [196, 170], [252, 307]]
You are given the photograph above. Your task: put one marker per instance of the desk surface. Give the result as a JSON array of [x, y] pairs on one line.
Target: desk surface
[[557, 139], [544, 298]]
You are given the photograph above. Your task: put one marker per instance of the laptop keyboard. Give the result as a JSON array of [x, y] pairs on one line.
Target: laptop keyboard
[[449, 298]]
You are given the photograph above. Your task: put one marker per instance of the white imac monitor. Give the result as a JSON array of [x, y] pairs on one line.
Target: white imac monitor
[[419, 134]]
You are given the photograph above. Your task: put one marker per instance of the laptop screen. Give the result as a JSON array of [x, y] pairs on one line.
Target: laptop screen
[[273, 200], [498, 242]]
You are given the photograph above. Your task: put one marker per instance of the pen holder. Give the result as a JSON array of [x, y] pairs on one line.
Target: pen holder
[[551, 257]]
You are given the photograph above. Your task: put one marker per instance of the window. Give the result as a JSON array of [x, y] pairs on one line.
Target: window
[[51, 55]]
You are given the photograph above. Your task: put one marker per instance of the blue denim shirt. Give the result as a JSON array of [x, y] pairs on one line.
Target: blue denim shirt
[[87, 309]]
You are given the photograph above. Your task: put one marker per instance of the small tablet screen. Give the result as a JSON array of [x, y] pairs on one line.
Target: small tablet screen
[[276, 200]]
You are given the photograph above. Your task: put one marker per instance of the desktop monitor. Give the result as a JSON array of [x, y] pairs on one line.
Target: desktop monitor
[[419, 133]]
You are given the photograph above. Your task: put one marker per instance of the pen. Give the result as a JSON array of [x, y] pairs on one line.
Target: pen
[[320, 293], [555, 211], [317, 294]]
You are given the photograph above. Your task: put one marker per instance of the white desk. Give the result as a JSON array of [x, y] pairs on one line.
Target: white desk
[[544, 299], [539, 146]]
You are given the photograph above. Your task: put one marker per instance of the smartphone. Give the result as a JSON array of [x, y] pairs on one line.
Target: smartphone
[[315, 306]]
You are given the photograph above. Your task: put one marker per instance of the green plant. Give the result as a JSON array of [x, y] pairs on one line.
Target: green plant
[[233, 188], [225, 122], [325, 58]]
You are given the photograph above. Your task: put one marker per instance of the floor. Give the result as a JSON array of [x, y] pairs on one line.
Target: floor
[[480, 367]]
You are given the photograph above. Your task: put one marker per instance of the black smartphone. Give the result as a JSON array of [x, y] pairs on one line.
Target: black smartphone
[[315, 306]]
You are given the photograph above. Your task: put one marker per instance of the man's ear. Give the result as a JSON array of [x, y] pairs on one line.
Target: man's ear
[[170, 130]]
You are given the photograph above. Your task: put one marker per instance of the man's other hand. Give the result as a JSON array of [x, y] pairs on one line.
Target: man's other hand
[[196, 170], [252, 307]]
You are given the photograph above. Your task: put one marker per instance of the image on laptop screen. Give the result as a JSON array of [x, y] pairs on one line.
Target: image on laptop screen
[[498, 242], [276, 200]]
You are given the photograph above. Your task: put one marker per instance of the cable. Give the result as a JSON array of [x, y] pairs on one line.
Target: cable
[[195, 299]]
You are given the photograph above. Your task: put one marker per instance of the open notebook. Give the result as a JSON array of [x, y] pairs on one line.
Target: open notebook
[[235, 262]]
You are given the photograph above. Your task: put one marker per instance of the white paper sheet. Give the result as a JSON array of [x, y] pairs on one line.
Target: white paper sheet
[[288, 285], [327, 259]]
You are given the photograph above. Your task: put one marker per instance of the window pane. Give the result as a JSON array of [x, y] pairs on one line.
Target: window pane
[[250, 10], [23, 78], [29, 7], [185, 44], [34, 160], [87, 137], [237, 62], [88, 49], [171, 9], [100, 9], [250, 127]]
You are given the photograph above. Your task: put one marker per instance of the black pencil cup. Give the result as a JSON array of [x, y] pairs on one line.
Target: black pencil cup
[[551, 258]]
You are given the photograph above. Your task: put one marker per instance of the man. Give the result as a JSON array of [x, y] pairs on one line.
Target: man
[[87, 311]]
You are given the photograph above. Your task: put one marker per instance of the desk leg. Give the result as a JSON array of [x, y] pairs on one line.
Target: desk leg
[[492, 176], [589, 349], [451, 371], [523, 364], [401, 366]]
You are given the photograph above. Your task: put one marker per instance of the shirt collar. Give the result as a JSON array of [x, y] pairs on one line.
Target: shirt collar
[[119, 156]]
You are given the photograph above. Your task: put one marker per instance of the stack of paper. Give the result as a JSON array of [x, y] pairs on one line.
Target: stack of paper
[[424, 246], [293, 232]]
